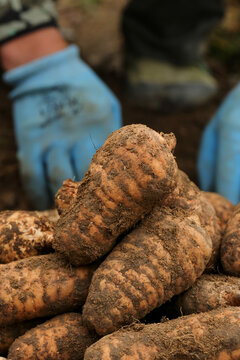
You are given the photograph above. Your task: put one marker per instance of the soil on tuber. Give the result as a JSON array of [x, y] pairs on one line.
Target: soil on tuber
[[223, 207], [187, 196], [41, 286], [128, 175], [61, 338], [209, 292], [160, 258], [214, 335], [230, 245], [9, 333], [24, 234]]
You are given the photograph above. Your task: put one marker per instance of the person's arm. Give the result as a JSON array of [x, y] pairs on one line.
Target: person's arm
[[29, 47]]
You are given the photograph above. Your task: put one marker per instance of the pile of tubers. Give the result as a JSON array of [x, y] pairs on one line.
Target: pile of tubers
[[137, 263]]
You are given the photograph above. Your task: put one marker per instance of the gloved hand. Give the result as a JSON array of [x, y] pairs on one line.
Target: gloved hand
[[219, 156], [62, 114]]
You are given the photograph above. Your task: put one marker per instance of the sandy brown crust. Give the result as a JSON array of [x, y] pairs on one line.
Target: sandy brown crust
[[214, 335], [209, 222], [209, 292], [24, 234], [51, 214], [184, 195], [41, 286], [160, 258], [223, 207], [187, 196], [133, 170], [230, 246], [9, 333], [62, 338]]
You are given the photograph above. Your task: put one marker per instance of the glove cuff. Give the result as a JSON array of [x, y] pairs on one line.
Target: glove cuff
[[21, 76]]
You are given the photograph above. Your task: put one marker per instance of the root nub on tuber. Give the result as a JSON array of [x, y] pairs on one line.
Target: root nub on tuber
[[24, 234]]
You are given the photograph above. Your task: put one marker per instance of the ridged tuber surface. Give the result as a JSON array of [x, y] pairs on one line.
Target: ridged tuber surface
[[134, 169], [214, 335], [61, 338], [41, 286], [210, 292], [187, 196], [223, 207], [24, 234], [230, 246], [160, 258], [209, 222]]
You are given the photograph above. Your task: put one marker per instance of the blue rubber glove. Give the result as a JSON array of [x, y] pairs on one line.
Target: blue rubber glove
[[62, 114], [219, 156]]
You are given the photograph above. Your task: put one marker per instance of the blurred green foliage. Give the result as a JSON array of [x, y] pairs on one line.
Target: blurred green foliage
[[86, 3], [224, 41], [225, 46]]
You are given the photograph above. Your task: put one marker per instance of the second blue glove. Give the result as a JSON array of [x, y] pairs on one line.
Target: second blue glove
[[219, 155]]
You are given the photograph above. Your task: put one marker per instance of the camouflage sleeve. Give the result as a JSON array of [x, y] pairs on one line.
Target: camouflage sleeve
[[19, 17]]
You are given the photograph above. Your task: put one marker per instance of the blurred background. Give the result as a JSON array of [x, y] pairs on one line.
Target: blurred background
[[95, 26]]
